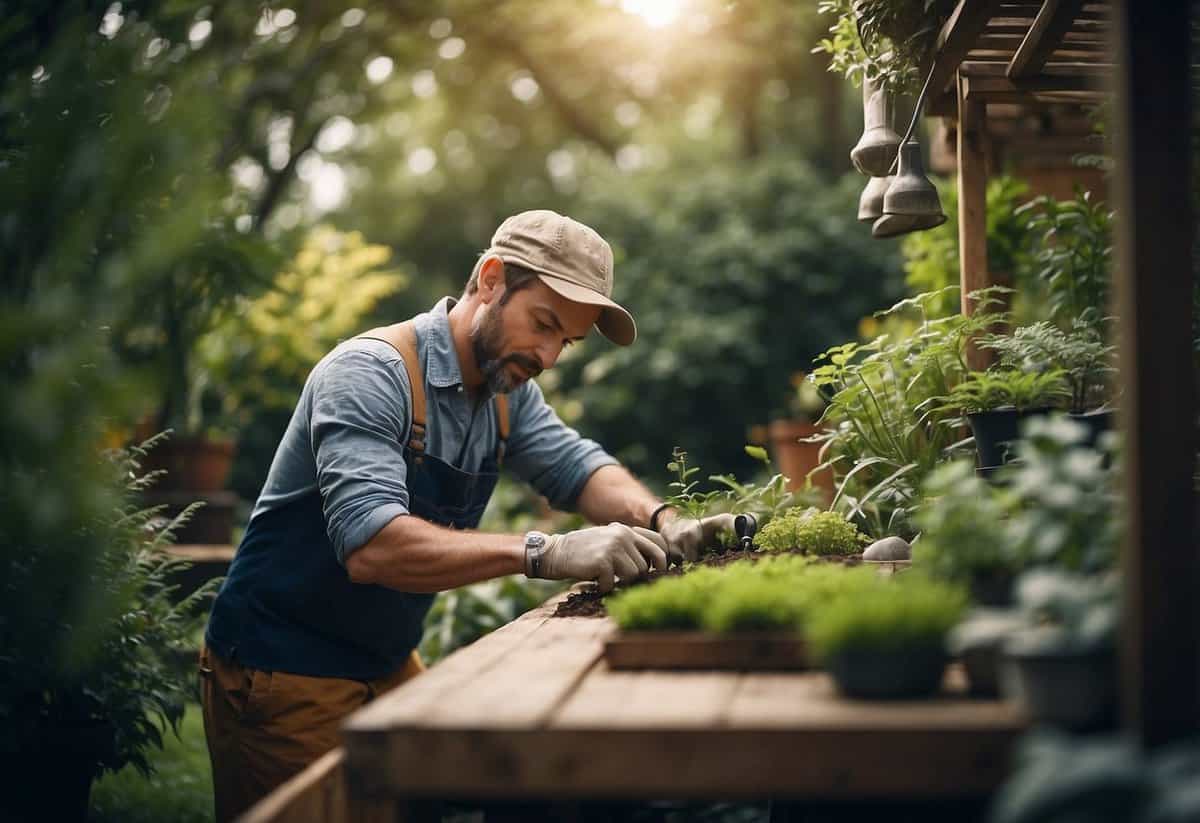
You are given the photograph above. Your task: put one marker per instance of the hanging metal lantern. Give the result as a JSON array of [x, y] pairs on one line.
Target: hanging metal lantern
[[876, 149], [870, 202], [911, 202]]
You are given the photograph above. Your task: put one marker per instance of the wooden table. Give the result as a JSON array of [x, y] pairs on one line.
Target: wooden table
[[532, 710]]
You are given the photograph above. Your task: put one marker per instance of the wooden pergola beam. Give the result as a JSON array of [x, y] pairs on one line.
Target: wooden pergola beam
[[1153, 280], [966, 23], [973, 268], [1045, 35]]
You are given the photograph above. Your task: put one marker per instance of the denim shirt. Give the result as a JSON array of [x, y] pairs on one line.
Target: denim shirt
[[345, 439]]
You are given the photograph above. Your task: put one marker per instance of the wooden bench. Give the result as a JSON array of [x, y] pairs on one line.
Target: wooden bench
[[532, 711]]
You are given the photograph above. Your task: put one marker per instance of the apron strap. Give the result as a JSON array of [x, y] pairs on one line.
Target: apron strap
[[403, 338], [502, 426]]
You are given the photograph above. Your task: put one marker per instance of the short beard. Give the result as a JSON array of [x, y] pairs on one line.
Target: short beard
[[487, 342]]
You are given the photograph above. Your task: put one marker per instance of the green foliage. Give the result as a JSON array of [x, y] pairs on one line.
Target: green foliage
[[1079, 355], [673, 604], [1065, 613], [128, 683], [1072, 241], [685, 498], [1058, 508], [180, 790], [255, 359], [1007, 388], [887, 432], [104, 193], [883, 40], [931, 258], [818, 533], [771, 594], [717, 264], [906, 612], [963, 536], [1100, 778]]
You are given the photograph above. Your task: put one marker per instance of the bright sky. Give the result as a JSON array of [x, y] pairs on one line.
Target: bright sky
[[656, 13]]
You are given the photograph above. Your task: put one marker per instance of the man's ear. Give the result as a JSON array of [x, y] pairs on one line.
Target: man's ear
[[491, 279]]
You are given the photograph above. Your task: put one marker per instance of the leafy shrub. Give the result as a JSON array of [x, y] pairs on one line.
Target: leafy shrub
[[931, 260], [1059, 508], [963, 536], [905, 612], [1008, 388], [887, 432], [1081, 356], [129, 683], [820, 533], [717, 263], [1072, 241]]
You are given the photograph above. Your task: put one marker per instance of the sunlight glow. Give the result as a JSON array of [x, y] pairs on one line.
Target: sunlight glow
[[656, 13]]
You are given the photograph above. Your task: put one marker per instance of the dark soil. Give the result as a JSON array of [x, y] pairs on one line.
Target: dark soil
[[590, 603]]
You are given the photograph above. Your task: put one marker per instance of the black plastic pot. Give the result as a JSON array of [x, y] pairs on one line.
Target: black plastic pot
[[1097, 423], [888, 674], [996, 430], [1075, 691]]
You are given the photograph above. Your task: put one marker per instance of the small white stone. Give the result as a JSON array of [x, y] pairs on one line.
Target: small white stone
[[888, 548]]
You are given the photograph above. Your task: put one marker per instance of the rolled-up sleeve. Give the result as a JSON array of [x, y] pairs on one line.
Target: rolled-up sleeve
[[549, 455], [358, 422]]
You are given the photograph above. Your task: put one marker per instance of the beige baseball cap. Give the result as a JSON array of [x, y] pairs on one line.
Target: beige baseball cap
[[571, 258]]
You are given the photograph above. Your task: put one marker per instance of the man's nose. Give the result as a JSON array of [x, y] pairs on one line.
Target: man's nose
[[547, 354]]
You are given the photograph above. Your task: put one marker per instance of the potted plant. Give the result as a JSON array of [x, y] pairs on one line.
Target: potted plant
[[887, 640], [107, 682], [1079, 355], [963, 535], [996, 403], [1061, 664]]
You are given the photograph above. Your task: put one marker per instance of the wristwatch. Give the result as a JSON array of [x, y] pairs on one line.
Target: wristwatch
[[535, 544]]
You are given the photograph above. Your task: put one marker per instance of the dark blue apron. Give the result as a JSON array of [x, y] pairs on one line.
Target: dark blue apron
[[288, 605]]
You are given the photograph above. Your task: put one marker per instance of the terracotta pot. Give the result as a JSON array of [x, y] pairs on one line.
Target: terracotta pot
[[796, 459], [193, 464]]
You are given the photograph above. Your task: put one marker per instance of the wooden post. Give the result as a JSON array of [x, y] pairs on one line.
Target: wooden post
[[972, 207], [1153, 284]]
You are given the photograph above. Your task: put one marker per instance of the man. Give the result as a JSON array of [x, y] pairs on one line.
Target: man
[[382, 475]]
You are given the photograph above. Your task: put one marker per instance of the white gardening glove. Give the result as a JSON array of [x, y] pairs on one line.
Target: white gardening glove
[[687, 537], [600, 553]]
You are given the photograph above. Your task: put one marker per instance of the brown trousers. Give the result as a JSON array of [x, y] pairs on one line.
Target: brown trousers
[[265, 727]]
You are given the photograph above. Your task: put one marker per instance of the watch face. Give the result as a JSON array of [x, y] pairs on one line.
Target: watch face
[[535, 540]]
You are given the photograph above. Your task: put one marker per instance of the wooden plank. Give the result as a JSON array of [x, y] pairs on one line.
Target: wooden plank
[[965, 24], [712, 735], [463, 669], [972, 210], [319, 795], [648, 700], [770, 700], [704, 650], [535, 677], [1153, 282], [1045, 35]]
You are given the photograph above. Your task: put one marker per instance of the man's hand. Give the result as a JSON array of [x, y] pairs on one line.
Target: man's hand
[[601, 553], [687, 537]]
